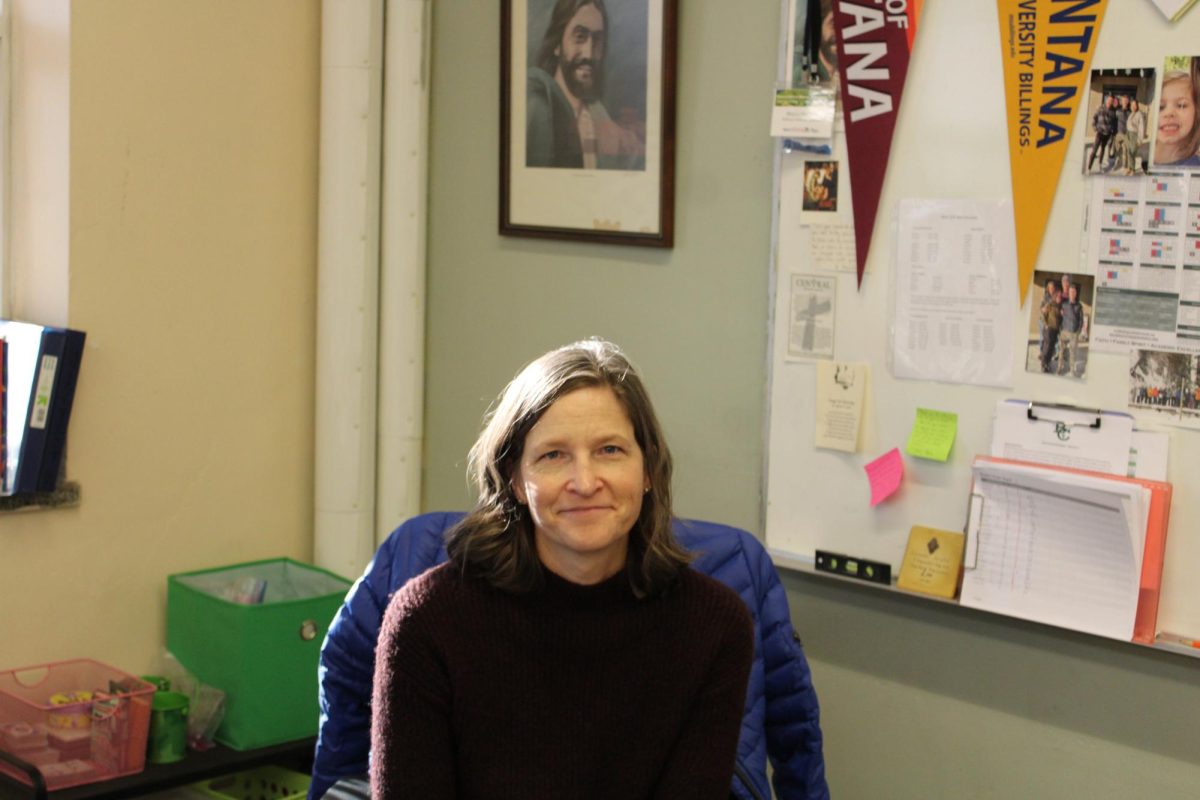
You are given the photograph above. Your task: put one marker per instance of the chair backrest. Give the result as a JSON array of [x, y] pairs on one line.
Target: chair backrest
[[730, 555]]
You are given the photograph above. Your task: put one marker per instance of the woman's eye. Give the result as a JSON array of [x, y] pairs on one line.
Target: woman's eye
[[611, 450], [551, 455]]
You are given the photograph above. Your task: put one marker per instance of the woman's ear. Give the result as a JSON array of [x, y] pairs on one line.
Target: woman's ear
[[518, 487]]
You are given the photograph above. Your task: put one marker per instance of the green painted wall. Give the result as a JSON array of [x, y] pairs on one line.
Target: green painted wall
[[920, 699], [693, 318]]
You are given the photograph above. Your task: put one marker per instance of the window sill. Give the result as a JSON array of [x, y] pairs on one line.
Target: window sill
[[65, 496]]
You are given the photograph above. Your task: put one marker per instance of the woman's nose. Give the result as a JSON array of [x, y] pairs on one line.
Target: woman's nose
[[583, 476]]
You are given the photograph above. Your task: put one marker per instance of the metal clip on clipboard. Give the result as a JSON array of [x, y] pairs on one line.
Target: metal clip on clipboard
[[971, 531], [1063, 435], [1064, 407]]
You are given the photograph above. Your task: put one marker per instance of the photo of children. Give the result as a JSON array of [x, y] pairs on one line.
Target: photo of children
[[820, 186], [1118, 134], [1059, 320], [1167, 384], [1176, 126]]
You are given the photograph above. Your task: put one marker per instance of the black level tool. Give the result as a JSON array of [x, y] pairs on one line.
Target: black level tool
[[851, 567]]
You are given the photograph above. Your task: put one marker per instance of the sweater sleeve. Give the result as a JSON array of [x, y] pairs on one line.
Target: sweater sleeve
[[412, 750], [702, 759]]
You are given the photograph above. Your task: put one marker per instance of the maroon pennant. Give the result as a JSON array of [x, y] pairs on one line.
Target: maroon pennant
[[874, 42]]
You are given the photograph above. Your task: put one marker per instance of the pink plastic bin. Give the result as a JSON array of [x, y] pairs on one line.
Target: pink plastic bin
[[47, 719]]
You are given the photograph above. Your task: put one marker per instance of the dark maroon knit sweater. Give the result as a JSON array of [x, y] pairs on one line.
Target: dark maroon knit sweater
[[569, 692]]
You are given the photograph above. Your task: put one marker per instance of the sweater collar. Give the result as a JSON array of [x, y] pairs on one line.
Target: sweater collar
[[556, 589]]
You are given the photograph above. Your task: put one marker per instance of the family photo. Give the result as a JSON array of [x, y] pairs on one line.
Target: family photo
[[1059, 324], [1118, 114]]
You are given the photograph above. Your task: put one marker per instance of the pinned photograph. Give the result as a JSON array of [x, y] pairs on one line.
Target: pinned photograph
[[1167, 384], [1117, 141], [1176, 125], [820, 186], [1059, 324]]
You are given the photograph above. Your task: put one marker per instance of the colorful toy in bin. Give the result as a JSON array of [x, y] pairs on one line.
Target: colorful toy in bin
[[77, 721], [72, 710]]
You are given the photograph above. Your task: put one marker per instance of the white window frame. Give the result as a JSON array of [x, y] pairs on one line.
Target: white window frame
[[36, 237], [5, 139]]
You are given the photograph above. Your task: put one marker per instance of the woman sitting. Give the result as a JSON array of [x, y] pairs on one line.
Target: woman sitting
[[565, 649]]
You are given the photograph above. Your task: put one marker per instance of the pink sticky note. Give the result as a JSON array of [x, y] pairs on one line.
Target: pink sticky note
[[885, 474]]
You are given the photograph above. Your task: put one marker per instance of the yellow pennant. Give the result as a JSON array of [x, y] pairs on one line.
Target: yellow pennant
[[1047, 48]]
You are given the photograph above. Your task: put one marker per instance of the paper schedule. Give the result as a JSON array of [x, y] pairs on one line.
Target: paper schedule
[[1057, 547]]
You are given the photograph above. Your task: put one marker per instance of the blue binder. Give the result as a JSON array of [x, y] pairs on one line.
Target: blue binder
[[24, 340], [53, 392]]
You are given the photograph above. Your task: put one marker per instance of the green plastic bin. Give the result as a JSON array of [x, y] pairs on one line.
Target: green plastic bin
[[262, 655], [263, 783]]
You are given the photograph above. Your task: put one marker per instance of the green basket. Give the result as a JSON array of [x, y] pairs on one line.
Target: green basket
[[263, 656], [262, 783]]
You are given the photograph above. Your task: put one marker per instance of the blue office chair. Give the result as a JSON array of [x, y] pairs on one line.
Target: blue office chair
[[781, 720]]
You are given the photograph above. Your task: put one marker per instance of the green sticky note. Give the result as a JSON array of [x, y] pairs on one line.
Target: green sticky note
[[932, 434]]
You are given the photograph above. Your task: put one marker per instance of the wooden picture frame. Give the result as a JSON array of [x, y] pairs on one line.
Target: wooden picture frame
[[615, 181]]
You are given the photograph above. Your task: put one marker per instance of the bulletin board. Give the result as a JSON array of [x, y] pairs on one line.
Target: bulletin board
[[951, 142]]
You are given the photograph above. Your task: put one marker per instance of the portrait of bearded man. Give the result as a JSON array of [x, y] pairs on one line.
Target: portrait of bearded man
[[569, 121]]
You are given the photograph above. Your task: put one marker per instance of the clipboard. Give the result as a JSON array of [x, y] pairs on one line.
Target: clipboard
[[1154, 547], [1063, 435]]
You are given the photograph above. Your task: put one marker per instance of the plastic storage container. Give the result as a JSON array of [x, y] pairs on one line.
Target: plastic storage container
[[263, 783], [254, 631], [77, 721]]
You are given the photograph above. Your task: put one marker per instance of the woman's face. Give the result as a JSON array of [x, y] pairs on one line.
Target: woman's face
[[583, 479], [1176, 112]]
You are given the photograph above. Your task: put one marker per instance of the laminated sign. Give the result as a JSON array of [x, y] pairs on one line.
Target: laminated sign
[[1047, 47]]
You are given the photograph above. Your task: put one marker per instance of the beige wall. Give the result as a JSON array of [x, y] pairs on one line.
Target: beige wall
[[920, 700], [193, 152]]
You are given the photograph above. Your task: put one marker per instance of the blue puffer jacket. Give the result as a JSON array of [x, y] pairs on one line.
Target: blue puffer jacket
[[781, 718]]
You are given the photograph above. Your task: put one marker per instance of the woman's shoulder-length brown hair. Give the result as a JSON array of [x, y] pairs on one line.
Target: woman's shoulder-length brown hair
[[495, 540]]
